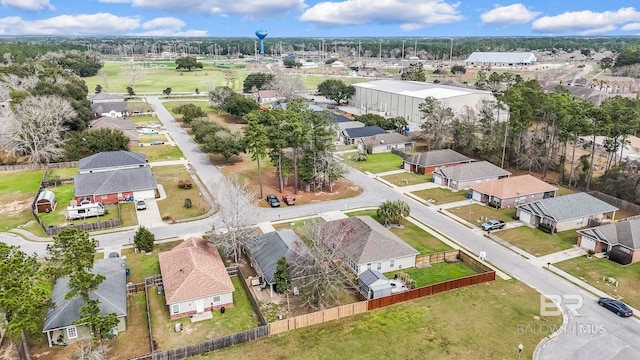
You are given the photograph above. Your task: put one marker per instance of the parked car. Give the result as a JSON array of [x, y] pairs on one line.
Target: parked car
[[141, 205], [157, 142], [493, 225], [273, 200], [621, 309], [289, 200]]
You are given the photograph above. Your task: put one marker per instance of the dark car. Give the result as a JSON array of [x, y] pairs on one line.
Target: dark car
[[289, 200], [621, 309], [273, 200]]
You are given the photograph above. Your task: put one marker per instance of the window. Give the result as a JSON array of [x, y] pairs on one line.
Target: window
[[580, 221], [104, 197], [216, 299], [175, 308], [369, 266], [392, 263], [72, 332], [379, 266]]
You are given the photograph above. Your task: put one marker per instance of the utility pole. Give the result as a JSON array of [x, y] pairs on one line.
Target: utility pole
[[506, 132], [358, 53], [403, 50], [415, 48], [380, 54], [451, 53]]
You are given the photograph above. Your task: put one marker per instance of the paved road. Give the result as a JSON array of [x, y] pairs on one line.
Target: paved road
[[593, 333]]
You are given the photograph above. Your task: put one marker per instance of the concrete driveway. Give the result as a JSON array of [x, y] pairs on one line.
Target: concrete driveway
[[150, 217]]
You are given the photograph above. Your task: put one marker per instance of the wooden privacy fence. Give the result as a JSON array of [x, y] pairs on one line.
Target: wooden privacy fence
[[428, 259], [211, 345], [619, 203], [135, 288], [430, 290], [38, 166], [106, 224], [317, 317]]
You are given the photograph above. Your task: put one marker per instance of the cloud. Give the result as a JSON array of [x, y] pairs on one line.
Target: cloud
[[172, 33], [249, 9], [410, 14], [29, 5], [631, 27], [164, 22], [508, 15], [585, 22], [115, 1], [168, 26], [83, 24]]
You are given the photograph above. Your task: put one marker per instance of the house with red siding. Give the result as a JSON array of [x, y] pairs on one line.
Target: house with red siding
[[620, 240], [428, 162]]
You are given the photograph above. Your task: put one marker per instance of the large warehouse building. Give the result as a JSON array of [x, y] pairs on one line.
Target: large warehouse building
[[510, 59], [392, 98]]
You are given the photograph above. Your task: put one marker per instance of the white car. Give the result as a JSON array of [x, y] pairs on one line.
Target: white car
[[141, 205]]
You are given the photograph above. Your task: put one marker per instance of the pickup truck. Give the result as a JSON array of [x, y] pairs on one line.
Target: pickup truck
[[493, 225]]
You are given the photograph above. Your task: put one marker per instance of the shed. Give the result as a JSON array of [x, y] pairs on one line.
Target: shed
[[46, 201], [374, 284]]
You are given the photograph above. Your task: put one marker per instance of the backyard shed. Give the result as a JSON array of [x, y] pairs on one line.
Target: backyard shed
[[374, 284], [46, 201]]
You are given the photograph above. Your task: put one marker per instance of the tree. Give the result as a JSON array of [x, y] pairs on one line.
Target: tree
[[282, 277], [130, 91], [225, 143], [167, 91], [202, 127], [257, 81], [288, 86], [218, 96], [289, 63], [87, 350], [607, 63], [239, 105], [393, 211], [190, 112], [463, 130], [93, 141], [360, 155], [24, 291], [100, 325], [414, 73], [35, 128], [98, 89], [135, 73], [256, 139], [144, 239], [336, 90], [436, 124], [71, 250], [238, 215], [458, 69], [188, 62]]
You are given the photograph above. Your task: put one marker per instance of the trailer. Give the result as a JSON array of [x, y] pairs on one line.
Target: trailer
[[82, 211]]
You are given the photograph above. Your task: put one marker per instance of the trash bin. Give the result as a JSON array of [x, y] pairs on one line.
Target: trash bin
[[128, 272], [222, 310]]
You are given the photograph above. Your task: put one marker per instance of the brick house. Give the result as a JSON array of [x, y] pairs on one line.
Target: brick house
[[432, 160], [620, 240], [512, 191]]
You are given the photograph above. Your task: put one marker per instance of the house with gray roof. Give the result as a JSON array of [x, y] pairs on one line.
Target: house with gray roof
[[345, 123], [565, 212], [59, 323], [127, 126], [351, 135], [463, 176], [363, 243], [619, 240], [427, 162], [111, 160], [267, 249], [382, 143], [109, 187], [109, 105]]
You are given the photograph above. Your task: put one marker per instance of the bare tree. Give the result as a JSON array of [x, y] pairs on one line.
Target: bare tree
[[287, 85], [239, 214], [86, 350], [105, 79], [321, 273], [35, 127], [134, 72], [219, 95]]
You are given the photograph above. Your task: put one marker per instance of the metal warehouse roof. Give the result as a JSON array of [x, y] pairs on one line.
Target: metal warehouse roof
[[501, 57], [419, 89]]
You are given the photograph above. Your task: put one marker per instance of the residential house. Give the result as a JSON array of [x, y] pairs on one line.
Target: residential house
[[427, 162], [268, 97], [345, 123], [351, 135], [59, 323], [363, 244], [108, 187], [127, 126], [620, 240], [109, 105], [267, 249], [385, 143], [374, 284], [195, 279], [111, 160], [463, 176], [564, 212], [511, 191]]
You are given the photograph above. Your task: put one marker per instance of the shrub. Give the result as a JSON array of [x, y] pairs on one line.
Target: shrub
[[143, 239], [187, 203], [166, 217]]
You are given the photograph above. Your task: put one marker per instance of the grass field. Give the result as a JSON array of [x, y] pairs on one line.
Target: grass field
[[441, 195], [479, 214], [143, 265], [160, 152], [62, 173], [17, 191], [435, 273], [377, 163], [144, 119], [407, 179], [475, 322], [537, 242], [135, 341], [594, 270], [422, 241], [173, 205]]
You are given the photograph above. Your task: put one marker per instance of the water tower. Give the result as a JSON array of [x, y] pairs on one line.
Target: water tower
[[261, 34]]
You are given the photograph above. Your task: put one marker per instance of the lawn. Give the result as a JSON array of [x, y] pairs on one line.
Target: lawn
[[238, 318], [479, 214], [173, 205], [594, 270], [562, 190], [407, 179], [150, 138], [441, 195], [143, 265], [435, 273], [537, 242], [298, 224], [62, 173], [58, 217], [377, 163], [412, 234], [128, 215], [144, 119], [475, 322], [160, 153], [17, 191], [135, 341]]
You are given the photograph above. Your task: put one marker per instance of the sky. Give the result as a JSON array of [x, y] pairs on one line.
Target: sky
[[319, 18]]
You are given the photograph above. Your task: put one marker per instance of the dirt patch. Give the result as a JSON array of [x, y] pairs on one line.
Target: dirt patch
[[232, 122], [16, 207]]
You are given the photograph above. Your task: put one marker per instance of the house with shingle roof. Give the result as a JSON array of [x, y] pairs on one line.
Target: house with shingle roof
[[109, 105], [111, 160], [346, 122], [511, 191], [565, 212], [59, 323], [463, 176], [619, 240], [127, 126], [351, 135], [108, 187], [195, 279], [267, 249], [428, 162], [384, 143], [363, 243]]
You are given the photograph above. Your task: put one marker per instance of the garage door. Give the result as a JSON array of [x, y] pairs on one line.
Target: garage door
[[437, 179], [525, 217], [477, 196], [588, 243]]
